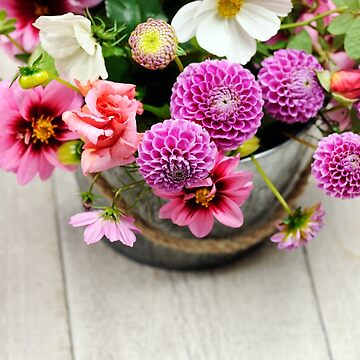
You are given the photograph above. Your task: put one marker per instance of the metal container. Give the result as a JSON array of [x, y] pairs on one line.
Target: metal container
[[166, 245]]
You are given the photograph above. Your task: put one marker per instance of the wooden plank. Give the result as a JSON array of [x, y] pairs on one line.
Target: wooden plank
[[33, 317], [335, 263], [262, 307]]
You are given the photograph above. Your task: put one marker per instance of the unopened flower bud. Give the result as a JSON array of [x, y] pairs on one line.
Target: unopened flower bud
[[153, 44], [346, 83], [69, 153]]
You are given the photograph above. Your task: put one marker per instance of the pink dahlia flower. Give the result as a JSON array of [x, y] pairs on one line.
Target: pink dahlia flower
[[107, 223], [219, 196], [299, 228], [107, 125], [32, 129], [221, 96], [289, 85], [176, 154], [336, 165], [26, 12]]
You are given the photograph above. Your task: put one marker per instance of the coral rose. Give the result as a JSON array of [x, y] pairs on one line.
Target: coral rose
[[107, 125]]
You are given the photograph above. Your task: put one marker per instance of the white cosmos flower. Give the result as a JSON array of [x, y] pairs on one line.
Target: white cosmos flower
[[68, 39], [229, 27]]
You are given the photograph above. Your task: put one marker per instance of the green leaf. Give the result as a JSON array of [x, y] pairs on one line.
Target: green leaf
[[355, 121], [340, 3], [324, 78], [301, 41], [352, 4], [352, 40], [133, 12], [341, 24]]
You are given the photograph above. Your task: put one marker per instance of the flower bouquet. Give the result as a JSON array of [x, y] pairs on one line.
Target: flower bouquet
[[194, 118]]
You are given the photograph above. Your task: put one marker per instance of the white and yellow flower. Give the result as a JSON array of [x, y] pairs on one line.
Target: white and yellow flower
[[230, 27], [68, 39]]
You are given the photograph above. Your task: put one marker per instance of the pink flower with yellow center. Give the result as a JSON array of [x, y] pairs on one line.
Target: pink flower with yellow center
[[32, 129]]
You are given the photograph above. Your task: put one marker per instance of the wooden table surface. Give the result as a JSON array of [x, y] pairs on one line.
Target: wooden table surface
[[62, 300]]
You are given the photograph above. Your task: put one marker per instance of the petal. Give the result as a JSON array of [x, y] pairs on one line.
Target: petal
[[213, 35], [26, 100], [28, 167], [227, 212], [185, 23], [279, 7], [94, 232], [82, 32], [243, 46], [201, 223], [127, 236], [258, 22], [111, 231], [45, 168], [84, 218]]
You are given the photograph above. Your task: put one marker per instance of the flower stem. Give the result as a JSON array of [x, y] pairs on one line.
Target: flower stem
[[93, 182], [124, 188], [271, 186], [315, 18], [17, 44], [66, 83], [179, 64], [301, 141]]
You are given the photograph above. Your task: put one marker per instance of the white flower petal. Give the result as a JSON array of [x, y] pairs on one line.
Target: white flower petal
[[185, 23], [213, 35], [242, 45], [258, 22], [279, 7], [83, 35], [100, 62], [50, 43]]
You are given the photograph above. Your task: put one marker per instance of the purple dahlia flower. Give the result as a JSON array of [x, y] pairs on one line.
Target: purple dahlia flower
[[336, 165], [357, 108], [289, 85], [299, 228], [176, 154], [221, 96]]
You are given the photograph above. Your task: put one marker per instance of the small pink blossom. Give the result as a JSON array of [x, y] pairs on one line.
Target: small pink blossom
[[299, 228], [32, 129], [219, 196], [107, 125], [108, 223]]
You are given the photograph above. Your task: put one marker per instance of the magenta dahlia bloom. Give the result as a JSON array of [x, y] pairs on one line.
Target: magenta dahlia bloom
[[336, 165], [176, 154], [109, 223], [289, 85], [32, 129], [26, 12], [221, 96], [219, 196], [299, 228], [357, 108]]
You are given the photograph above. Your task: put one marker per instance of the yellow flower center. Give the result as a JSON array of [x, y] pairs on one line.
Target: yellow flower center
[[229, 8], [41, 9], [150, 42], [43, 129], [202, 196]]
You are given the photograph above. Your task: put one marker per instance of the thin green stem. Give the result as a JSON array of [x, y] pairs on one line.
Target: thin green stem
[[179, 64], [271, 186], [124, 188], [93, 182], [315, 18], [66, 83], [18, 45]]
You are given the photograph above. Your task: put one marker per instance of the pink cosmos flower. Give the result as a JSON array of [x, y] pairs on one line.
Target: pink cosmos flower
[[32, 129], [107, 223], [219, 196], [107, 125], [26, 12]]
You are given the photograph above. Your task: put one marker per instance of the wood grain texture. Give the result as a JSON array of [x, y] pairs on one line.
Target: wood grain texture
[[335, 262], [261, 308], [33, 315]]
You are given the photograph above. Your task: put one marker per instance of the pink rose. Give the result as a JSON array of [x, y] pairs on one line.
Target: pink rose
[[107, 125]]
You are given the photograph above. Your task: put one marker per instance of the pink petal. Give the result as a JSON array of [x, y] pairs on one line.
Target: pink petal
[[84, 218], [45, 168], [111, 231], [94, 232], [201, 223], [127, 236], [227, 212], [27, 100], [28, 167]]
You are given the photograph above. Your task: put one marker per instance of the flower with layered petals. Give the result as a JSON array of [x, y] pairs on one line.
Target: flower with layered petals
[[68, 39], [221, 96], [109, 223], [176, 154], [219, 196], [336, 165], [289, 85], [107, 125], [26, 12], [230, 27], [32, 129], [346, 83], [299, 228], [153, 44]]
